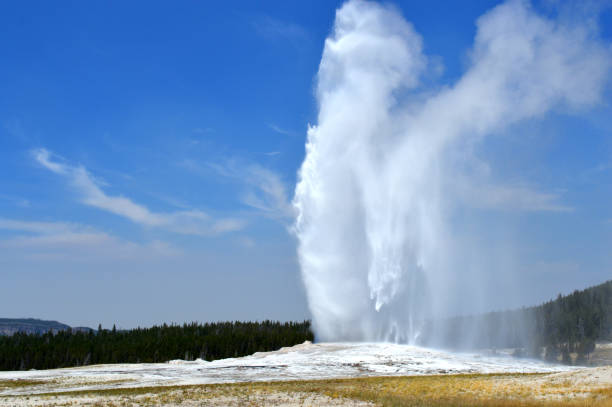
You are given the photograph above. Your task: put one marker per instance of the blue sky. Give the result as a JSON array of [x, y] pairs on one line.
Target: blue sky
[[149, 151]]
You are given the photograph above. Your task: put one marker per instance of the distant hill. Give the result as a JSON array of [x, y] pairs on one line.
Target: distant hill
[[569, 327], [10, 326]]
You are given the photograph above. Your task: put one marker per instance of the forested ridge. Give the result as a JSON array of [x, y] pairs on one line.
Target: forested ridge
[[208, 341], [569, 324], [10, 326]]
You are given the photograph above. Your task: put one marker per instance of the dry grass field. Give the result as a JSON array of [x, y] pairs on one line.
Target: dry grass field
[[581, 388]]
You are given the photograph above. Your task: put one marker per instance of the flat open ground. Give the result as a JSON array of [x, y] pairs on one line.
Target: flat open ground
[[584, 387], [318, 375]]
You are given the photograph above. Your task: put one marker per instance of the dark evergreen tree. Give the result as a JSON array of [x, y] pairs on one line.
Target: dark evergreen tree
[[568, 325], [209, 341]]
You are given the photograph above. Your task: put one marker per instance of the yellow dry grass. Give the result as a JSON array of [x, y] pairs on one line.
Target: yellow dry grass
[[11, 384], [503, 390]]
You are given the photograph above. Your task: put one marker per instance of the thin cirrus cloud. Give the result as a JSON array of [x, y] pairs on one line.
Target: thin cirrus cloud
[[269, 193], [191, 222], [61, 240], [264, 188], [281, 130], [15, 200], [49, 235], [510, 197], [479, 191], [273, 29], [42, 228]]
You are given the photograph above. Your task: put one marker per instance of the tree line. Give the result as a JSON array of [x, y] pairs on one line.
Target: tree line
[[570, 324], [208, 341]]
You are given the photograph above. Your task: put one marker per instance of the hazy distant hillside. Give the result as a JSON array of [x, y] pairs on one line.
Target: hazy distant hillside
[[10, 326], [569, 325]]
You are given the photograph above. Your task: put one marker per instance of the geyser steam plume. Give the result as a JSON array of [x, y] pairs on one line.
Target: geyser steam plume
[[379, 180]]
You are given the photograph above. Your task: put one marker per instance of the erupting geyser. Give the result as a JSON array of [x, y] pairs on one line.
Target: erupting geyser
[[379, 180]]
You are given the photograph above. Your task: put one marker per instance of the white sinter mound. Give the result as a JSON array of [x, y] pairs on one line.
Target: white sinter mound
[[305, 361]]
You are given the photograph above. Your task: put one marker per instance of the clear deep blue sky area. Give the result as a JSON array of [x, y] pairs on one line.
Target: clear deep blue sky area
[[149, 151]]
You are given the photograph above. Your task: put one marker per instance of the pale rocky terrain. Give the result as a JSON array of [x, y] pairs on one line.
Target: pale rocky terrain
[[587, 386], [338, 374]]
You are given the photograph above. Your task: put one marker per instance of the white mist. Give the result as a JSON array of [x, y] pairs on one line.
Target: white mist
[[379, 180]]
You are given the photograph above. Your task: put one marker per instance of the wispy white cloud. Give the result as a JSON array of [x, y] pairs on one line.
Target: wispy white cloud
[[281, 130], [15, 200], [43, 156], [61, 240], [513, 197], [264, 189], [43, 228], [273, 29], [268, 192], [477, 189], [193, 222], [475, 185]]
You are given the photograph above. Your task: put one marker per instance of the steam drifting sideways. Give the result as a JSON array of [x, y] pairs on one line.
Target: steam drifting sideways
[[373, 200]]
